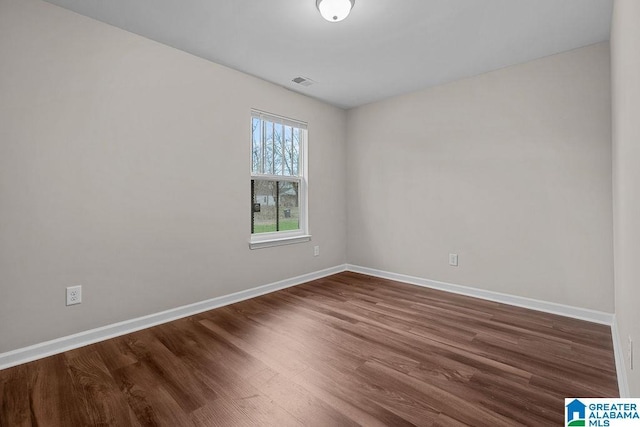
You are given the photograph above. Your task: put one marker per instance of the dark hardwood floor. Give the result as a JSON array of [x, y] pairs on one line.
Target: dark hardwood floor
[[344, 350]]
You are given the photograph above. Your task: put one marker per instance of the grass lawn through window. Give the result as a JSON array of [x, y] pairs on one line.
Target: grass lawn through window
[[285, 225]]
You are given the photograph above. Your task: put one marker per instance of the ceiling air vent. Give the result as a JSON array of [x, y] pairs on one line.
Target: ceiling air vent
[[303, 81]]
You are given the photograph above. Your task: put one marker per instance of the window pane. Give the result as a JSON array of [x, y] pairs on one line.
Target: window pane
[[296, 152], [288, 151], [256, 140], [275, 148], [268, 148], [278, 134], [264, 194], [289, 213], [276, 206]]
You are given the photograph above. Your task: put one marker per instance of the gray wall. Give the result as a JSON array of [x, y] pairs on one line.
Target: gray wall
[[625, 64], [124, 167], [511, 170]]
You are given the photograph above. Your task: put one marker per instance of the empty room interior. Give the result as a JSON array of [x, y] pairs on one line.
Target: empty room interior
[[419, 212]]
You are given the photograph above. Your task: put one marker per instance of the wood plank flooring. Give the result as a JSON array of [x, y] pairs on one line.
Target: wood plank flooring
[[340, 351]]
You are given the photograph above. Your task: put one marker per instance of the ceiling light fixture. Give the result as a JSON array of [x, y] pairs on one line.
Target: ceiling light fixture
[[334, 10]]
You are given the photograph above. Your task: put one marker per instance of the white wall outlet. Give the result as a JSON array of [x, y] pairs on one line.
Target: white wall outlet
[[74, 295], [630, 352], [316, 250], [453, 260]]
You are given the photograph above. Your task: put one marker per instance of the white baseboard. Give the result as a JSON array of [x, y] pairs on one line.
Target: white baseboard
[[533, 304], [59, 345], [70, 342], [621, 368], [547, 307]]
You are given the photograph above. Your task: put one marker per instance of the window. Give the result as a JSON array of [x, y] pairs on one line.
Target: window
[[278, 181]]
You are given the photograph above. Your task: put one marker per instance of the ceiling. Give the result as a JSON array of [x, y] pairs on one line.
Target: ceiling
[[384, 48]]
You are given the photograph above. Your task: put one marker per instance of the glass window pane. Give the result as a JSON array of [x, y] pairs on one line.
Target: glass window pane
[[275, 148], [296, 151], [268, 148], [264, 195], [288, 147], [289, 213], [278, 135], [256, 151]]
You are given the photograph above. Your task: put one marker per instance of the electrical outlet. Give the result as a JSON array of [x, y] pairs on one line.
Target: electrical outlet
[[74, 295], [630, 352], [453, 260], [316, 250]]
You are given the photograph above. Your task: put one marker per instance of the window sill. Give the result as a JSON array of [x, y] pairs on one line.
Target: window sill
[[279, 241]]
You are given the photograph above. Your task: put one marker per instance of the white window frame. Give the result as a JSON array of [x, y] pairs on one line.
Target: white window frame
[[278, 238]]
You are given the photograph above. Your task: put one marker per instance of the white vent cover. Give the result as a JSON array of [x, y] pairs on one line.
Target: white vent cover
[[303, 81]]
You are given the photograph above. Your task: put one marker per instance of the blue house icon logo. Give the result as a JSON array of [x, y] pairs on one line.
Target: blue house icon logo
[[576, 413]]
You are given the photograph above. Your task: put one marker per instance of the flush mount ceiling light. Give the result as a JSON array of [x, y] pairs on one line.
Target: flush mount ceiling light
[[334, 10]]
